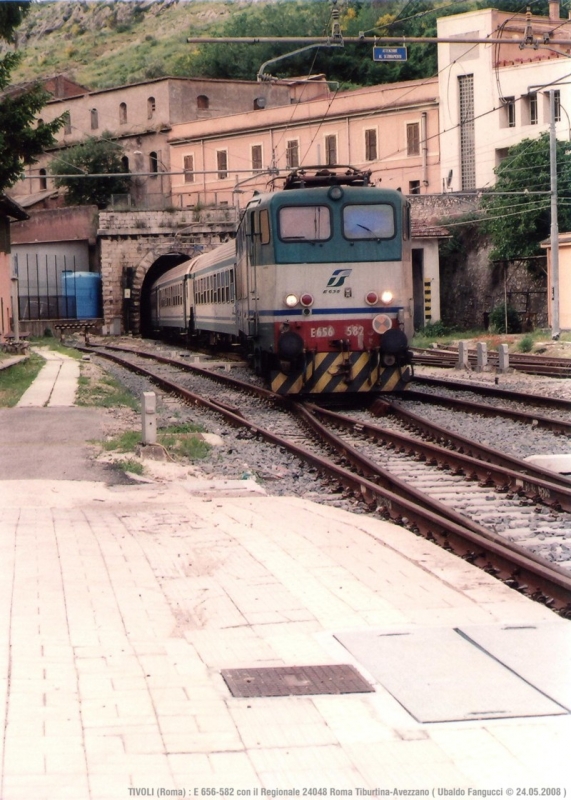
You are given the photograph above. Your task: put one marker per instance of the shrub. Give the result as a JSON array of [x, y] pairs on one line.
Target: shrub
[[436, 329], [498, 320], [525, 344]]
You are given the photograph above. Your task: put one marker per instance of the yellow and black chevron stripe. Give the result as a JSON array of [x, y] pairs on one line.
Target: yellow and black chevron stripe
[[338, 372]]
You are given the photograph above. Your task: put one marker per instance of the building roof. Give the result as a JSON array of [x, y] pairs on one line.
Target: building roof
[[9, 208]]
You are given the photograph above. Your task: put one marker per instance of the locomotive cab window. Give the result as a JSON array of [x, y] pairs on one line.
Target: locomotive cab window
[[305, 223], [369, 222]]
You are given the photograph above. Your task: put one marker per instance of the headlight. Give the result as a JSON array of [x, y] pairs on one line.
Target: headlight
[[387, 298], [291, 300]]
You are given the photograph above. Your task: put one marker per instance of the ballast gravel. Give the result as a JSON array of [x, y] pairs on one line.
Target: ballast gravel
[[243, 455]]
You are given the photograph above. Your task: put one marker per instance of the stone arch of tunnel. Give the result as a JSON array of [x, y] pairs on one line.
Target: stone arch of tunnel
[[138, 281]]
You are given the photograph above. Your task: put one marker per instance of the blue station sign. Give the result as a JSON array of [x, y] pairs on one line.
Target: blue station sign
[[389, 54]]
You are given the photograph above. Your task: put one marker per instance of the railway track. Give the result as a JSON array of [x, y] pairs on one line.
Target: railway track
[[530, 364], [391, 491]]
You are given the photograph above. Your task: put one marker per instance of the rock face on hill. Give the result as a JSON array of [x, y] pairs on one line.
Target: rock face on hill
[[102, 43], [48, 17]]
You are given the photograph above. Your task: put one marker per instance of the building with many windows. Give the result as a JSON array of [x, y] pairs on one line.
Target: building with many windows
[[391, 130], [494, 95], [140, 117]]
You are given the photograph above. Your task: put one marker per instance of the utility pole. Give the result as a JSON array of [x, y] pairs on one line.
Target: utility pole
[[554, 273]]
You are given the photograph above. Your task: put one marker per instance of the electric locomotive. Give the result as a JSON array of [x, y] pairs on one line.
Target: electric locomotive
[[317, 286]]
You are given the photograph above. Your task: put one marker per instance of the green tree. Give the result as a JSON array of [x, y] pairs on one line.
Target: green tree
[[21, 139], [94, 156], [352, 65], [518, 219]]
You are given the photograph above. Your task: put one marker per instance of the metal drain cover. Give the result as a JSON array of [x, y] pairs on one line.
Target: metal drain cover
[[281, 681]]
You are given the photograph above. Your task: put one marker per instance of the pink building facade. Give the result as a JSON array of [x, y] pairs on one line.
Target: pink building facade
[[391, 130]]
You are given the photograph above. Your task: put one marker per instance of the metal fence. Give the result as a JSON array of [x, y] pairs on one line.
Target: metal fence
[[44, 286]]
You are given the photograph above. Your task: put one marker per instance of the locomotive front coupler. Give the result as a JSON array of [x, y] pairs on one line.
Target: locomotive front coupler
[[342, 345]]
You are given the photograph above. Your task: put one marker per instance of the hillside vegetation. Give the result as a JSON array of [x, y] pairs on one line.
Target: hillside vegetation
[[102, 44]]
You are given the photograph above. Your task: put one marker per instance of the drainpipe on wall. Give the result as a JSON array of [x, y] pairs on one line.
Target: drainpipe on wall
[[423, 118]]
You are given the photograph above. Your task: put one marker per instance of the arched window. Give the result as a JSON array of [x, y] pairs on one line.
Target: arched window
[[151, 107], [154, 162], [40, 122], [43, 180], [125, 162], [202, 101], [122, 113], [94, 119], [66, 122]]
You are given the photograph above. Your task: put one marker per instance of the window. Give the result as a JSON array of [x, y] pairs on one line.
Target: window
[[67, 122], [330, 151], [371, 144], [414, 187], [292, 154], [259, 102], [264, 226], [94, 119], [153, 162], [188, 162], [222, 164], [413, 139], [533, 109], [122, 113], [43, 180], [125, 163], [304, 223], [557, 98], [39, 123], [501, 154], [151, 107], [202, 102], [467, 141], [256, 157], [369, 222], [509, 112]]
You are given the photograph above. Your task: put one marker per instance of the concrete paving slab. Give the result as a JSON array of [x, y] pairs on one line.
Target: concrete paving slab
[[56, 383], [120, 606], [439, 676], [43, 443]]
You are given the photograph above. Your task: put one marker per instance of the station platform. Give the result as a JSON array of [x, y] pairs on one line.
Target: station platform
[[123, 607]]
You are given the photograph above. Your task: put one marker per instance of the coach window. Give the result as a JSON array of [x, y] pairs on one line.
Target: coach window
[[264, 226], [304, 223], [369, 222]]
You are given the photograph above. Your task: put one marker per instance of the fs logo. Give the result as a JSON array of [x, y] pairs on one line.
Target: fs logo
[[337, 278]]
